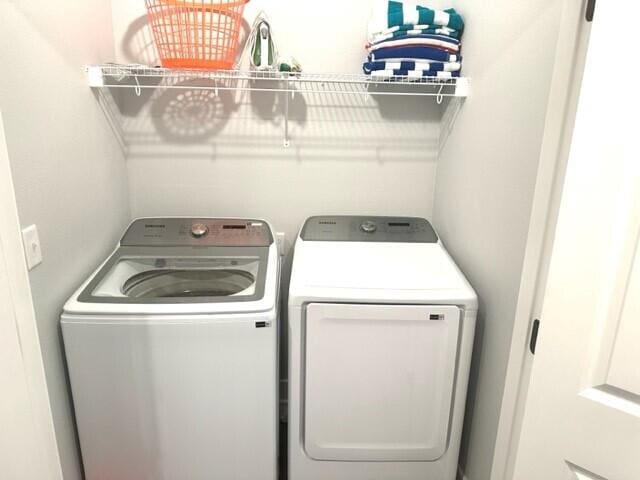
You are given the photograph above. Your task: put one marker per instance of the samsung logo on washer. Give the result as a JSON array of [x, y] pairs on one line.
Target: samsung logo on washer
[[154, 226]]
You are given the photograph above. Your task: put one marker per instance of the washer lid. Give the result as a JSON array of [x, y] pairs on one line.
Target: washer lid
[[376, 266], [386, 272], [170, 275]]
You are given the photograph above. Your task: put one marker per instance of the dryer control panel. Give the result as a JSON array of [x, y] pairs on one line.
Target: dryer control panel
[[211, 232], [368, 229]]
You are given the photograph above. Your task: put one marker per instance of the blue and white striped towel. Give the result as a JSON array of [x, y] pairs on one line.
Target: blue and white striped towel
[[412, 74], [436, 41], [393, 13], [414, 53], [371, 67], [404, 31]]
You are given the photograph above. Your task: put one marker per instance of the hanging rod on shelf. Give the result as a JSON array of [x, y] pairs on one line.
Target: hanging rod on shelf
[[142, 77]]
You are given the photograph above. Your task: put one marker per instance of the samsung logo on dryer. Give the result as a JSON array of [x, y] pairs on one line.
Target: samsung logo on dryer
[[148, 225]]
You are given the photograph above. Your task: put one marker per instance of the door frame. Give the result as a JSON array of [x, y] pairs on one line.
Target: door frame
[[562, 105], [12, 257]]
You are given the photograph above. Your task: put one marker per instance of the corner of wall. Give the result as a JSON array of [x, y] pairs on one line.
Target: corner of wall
[[68, 171], [485, 185], [461, 475]]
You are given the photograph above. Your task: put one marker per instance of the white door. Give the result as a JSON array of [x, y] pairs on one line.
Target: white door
[[582, 415], [379, 381], [28, 448], [18, 435]]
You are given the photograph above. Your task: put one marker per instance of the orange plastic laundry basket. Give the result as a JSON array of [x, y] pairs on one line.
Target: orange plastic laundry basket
[[196, 33]]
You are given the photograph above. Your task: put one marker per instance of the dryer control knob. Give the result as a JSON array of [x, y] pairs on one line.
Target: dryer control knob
[[368, 227], [199, 230]]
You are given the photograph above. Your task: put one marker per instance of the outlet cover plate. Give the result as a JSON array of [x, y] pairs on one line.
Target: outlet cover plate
[[31, 244]]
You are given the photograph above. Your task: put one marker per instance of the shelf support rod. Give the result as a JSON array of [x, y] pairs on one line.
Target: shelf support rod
[[287, 140], [449, 116]]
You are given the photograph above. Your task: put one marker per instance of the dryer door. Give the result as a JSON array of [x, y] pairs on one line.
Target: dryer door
[[379, 381]]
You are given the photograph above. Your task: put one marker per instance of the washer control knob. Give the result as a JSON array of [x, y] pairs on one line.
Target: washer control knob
[[199, 230], [368, 226]]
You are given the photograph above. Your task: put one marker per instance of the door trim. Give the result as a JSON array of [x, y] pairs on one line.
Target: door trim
[[561, 112], [12, 257]]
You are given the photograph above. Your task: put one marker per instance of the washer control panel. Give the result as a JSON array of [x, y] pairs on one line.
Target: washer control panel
[[368, 229], [219, 232]]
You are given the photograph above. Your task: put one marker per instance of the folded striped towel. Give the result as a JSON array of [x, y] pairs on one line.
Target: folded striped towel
[[392, 13], [436, 41], [371, 67], [414, 74], [404, 31], [414, 53]]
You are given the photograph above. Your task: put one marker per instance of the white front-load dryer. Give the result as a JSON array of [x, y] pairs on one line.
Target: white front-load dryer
[[381, 325], [171, 348]]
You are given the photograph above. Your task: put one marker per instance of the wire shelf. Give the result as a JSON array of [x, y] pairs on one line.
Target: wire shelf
[[142, 77], [337, 87]]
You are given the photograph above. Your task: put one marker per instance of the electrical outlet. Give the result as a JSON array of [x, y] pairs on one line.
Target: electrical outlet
[[281, 240], [31, 244]]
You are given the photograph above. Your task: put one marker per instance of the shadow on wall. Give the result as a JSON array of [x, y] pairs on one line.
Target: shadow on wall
[[191, 115], [340, 124], [194, 115], [402, 127], [137, 43], [473, 386]]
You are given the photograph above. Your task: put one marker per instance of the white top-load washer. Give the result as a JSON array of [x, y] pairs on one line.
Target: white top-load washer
[[381, 325], [171, 348]]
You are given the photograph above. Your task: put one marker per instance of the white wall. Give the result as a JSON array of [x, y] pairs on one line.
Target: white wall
[[68, 170], [348, 155], [484, 187]]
